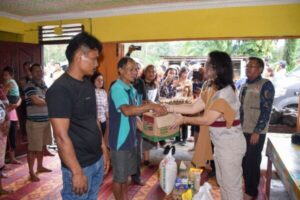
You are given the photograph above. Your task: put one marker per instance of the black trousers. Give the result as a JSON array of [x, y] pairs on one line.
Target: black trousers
[[136, 178], [12, 135], [183, 133], [103, 127], [251, 164]]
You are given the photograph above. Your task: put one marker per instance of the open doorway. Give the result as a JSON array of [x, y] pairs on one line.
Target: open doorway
[[273, 51], [281, 57], [55, 62]]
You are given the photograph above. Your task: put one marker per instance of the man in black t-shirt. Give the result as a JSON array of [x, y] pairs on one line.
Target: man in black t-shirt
[[71, 103]]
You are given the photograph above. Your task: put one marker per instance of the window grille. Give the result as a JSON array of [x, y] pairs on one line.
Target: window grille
[[58, 34]]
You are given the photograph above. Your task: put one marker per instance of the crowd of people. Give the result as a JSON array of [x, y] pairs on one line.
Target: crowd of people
[[95, 130]]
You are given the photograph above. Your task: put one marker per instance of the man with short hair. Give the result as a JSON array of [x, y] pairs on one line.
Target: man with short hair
[[256, 97], [22, 108], [37, 124], [123, 112], [71, 102]]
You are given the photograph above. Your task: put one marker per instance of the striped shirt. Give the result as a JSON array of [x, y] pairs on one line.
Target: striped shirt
[[102, 105], [36, 113]]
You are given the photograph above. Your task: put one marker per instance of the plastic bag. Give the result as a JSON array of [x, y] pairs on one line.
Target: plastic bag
[[168, 172], [204, 193]]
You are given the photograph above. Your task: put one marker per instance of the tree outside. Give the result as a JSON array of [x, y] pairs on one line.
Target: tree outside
[[271, 50]]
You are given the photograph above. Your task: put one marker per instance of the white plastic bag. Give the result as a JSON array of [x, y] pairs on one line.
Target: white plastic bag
[[168, 173], [204, 193]]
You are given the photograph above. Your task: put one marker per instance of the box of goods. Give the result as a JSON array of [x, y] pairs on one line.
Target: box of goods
[[158, 128], [176, 100]]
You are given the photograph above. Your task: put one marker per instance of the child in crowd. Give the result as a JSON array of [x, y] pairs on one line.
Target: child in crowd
[[11, 87], [12, 93]]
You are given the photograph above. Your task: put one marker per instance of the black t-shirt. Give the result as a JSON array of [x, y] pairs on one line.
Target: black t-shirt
[[76, 100]]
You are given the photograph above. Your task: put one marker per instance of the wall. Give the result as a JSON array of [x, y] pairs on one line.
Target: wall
[[260, 21], [29, 31], [11, 37], [11, 25]]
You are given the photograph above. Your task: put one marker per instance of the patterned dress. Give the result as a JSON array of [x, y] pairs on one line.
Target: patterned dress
[[3, 136]]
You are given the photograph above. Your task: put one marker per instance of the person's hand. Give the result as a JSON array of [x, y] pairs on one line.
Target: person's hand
[[106, 160], [170, 77], [79, 183], [10, 107], [131, 48], [176, 84], [159, 110], [178, 121], [254, 138], [139, 124]]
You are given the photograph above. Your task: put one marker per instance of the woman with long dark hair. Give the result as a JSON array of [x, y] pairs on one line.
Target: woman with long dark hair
[[183, 89], [168, 88], [101, 100], [149, 76], [221, 115]]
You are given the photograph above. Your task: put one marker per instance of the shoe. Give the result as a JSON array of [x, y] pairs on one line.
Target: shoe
[[167, 149], [173, 150]]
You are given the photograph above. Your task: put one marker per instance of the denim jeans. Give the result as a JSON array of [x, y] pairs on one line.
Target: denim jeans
[[94, 174]]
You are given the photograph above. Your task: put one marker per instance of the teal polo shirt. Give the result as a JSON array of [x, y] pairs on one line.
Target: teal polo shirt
[[122, 129]]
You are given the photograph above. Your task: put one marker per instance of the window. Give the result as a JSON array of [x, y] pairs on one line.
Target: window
[[58, 34]]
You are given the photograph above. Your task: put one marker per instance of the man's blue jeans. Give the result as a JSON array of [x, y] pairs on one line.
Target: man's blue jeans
[[94, 174]]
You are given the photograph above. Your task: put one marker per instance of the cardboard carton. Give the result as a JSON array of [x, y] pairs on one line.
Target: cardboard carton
[[158, 128]]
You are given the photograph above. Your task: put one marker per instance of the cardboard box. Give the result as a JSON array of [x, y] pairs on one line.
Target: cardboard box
[[158, 128]]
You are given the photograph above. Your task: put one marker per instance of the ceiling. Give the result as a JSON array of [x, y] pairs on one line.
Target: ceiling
[[42, 7], [37, 10]]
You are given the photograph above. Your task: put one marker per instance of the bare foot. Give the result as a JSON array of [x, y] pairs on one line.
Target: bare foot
[[34, 178], [3, 175], [43, 170], [16, 162], [4, 192]]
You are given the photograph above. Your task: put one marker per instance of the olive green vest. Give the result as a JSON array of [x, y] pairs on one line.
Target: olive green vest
[[251, 105]]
